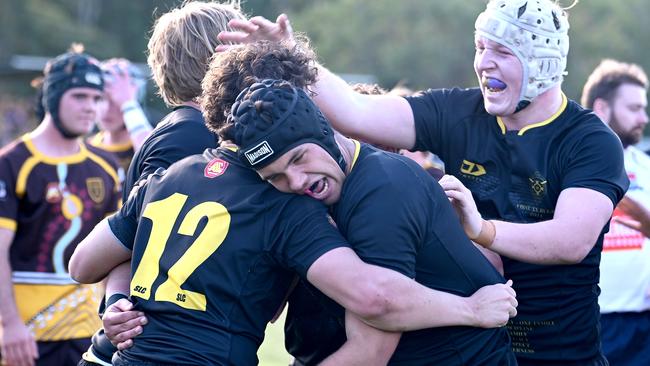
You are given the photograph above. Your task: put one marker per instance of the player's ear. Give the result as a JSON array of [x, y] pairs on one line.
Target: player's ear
[[602, 109]]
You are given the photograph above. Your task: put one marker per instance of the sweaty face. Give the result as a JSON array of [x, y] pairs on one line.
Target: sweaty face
[[306, 169], [79, 108], [500, 74], [628, 113]]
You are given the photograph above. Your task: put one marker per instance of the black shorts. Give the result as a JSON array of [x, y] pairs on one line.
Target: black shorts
[[61, 353]]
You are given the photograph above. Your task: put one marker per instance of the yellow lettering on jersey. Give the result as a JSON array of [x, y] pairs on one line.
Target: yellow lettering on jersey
[[472, 168], [163, 215], [213, 234]]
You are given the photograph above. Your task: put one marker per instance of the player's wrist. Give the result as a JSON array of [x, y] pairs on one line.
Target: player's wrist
[[471, 310], [115, 298], [486, 235], [134, 118]]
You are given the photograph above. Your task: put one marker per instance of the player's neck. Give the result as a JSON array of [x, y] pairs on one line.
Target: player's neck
[[49, 141], [543, 107], [119, 137], [192, 104], [347, 148]]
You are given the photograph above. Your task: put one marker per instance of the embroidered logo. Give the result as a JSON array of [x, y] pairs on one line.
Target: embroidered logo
[[93, 78], [258, 153], [215, 168], [538, 184], [96, 189], [472, 168]]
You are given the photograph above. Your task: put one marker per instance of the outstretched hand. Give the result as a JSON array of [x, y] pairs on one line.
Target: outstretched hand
[[256, 29], [122, 323], [494, 305], [463, 202]]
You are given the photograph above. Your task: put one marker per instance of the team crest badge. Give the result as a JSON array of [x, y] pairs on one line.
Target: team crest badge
[[538, 184], [53, 193], [96, 189], [215, 168]]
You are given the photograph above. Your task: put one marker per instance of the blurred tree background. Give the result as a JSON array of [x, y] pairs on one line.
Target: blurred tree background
[[425, 43]]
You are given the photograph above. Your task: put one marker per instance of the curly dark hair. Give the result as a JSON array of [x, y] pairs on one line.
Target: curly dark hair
[[232, 71]]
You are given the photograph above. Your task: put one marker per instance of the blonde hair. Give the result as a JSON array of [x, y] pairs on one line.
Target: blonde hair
[[181, 45]]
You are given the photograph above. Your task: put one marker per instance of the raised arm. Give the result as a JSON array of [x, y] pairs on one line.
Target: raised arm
[[391, 301], [381, 119], [122, 90]]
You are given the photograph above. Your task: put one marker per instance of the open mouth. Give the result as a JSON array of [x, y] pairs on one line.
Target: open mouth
[[319, 189], [493, 85]]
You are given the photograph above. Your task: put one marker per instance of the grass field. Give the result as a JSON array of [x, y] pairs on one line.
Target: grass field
[[272, 352]]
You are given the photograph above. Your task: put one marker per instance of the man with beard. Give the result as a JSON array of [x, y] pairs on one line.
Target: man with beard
[[616, 91]]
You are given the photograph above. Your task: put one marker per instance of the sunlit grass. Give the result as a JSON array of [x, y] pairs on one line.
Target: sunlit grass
[[272, 352]]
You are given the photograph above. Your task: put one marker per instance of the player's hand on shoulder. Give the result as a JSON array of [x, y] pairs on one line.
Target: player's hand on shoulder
[[463, 202], [122, 323], [494, 305]]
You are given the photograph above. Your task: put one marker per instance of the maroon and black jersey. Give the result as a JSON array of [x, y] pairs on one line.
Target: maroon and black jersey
[[123, 153], [51, 203]]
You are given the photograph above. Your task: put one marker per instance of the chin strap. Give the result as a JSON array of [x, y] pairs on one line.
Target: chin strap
[[521, 105]]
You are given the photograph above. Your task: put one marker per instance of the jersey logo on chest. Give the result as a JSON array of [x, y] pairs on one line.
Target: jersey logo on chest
[[538, 185], [474, 169], [96, 189]]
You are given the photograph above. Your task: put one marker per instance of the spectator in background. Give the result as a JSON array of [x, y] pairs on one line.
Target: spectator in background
[[123, 124], [53, 190], [544, 173], [616, 92]]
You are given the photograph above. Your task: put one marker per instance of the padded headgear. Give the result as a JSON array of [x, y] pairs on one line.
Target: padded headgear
[[537, 33], [272, 117], [67, 71]]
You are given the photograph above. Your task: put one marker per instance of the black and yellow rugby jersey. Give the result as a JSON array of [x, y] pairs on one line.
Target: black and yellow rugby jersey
[[51, 203], [123, 153], [214, 252], [180, 134], [517, 176], [395, 215]]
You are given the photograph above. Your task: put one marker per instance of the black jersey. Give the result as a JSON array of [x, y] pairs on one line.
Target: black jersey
[[517, 176], [395, 215], [214, 250], [180, 134]]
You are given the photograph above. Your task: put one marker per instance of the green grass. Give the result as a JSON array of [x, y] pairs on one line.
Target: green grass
[[272, 352]]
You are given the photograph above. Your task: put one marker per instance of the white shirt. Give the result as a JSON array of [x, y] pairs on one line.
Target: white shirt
[[625, 263]]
